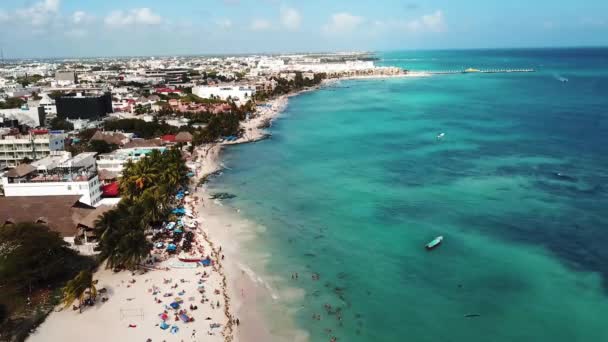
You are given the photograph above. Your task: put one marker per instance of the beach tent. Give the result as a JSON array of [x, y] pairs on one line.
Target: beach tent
[[164, 325], [184, 318], [179, 211]]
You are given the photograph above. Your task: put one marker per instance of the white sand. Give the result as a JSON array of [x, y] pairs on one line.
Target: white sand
[[241, 290], [133, 303], [249, 291]]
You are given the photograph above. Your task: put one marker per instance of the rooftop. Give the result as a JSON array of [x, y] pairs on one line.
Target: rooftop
[[60, 213]]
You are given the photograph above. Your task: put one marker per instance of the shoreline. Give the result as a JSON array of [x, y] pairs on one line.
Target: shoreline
[[132, 311], [227, 227]]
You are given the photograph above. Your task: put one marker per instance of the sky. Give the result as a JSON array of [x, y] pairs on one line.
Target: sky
[[81, 28]]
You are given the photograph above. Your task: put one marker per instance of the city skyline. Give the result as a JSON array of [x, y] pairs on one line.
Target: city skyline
[[61, 28]]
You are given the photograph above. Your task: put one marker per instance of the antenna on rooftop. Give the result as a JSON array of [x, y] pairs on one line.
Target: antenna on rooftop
[[2, 55]]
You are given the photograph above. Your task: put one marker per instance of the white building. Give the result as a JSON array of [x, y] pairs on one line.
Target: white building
[[49, 105], [115, 161], [26, 115], [56, 175], [14, 148], [237, 93]]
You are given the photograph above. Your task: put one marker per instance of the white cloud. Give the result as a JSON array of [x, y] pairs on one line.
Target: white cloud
[[143, 16], [260, 25], [343, 23], [427, 23], [40, 13], [81, 17], [291, 18], [224, 24]]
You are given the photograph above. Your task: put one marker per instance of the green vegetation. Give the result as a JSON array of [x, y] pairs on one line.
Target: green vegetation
[[12, 102], [191, 98], [101, 146], [218, 126], [34, 264], [139, 109], [147, 188], [141, 128], [61, 124], [78, 288], [285, 87], [55, 94], [29, 79]]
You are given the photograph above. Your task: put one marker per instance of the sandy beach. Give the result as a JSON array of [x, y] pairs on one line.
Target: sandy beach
[[136, 301]]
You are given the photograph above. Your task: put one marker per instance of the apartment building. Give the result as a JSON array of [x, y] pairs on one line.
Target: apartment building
[[114, 162], [36, 145], [56, 175]]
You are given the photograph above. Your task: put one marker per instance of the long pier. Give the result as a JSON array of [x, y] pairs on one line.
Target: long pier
[[476, 71]]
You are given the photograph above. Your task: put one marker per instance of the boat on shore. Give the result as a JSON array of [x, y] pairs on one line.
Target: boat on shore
[[435, 243], [183, 257]]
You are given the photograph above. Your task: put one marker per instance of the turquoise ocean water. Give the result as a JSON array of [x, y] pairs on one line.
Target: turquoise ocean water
[[353, 183]]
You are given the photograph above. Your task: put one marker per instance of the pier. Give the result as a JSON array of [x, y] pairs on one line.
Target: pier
[[477, 71]]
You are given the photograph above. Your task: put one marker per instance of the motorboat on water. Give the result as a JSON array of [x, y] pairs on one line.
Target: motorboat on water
[[435, 243], [440, 136]]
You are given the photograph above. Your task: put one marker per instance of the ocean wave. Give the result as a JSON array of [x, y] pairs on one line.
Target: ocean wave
[[258, 280]]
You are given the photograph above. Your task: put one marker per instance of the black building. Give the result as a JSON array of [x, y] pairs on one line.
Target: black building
[[79, 106]]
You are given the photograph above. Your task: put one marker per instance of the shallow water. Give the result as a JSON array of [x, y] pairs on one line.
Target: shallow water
[[354, 182]]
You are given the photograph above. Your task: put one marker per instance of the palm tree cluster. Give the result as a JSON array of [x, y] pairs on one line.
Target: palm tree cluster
[[147, 188]]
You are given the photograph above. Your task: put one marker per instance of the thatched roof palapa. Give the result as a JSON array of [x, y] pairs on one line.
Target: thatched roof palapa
[[21, 170]]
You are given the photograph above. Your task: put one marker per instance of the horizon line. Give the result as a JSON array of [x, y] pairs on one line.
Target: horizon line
[[312, 52]]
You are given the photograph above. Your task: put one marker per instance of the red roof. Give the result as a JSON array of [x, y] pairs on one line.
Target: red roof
[[110, 190], [168, 138], [167, 90], [39, 131]]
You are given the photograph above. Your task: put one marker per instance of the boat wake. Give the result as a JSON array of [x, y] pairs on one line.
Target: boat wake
[[560, 78]]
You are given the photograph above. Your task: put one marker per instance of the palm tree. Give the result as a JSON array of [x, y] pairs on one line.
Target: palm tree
[[78, 288], [131, 250]]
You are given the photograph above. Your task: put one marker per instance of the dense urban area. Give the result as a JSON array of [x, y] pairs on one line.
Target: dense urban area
[[97, 157]]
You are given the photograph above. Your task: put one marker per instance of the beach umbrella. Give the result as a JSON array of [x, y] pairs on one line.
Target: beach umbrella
[[164, 325], [174, 305]]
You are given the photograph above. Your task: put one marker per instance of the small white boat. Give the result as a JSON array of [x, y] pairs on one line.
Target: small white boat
[[440, 136], [436, 242]]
